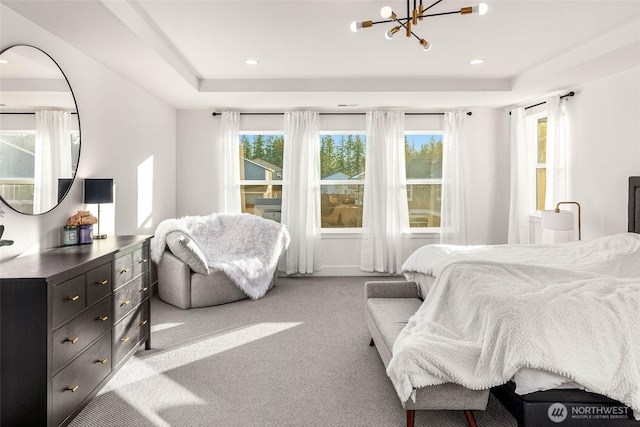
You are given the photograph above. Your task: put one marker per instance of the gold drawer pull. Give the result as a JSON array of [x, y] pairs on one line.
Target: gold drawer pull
[[103, 282], [103, 361], [142, 261], [72, 389], [126, 270], [74, 298], [143, 289], [73, 340], [127, 302], [102, 319], [125, 339], [144, 322]]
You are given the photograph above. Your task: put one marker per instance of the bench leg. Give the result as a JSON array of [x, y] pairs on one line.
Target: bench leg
[[411, 416], [371, 344], [470, 419]]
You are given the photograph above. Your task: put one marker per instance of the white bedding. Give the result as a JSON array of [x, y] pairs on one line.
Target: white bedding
[[483, 321], [617, 255]]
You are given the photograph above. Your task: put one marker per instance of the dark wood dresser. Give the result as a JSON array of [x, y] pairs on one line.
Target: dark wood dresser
[[69, 318]]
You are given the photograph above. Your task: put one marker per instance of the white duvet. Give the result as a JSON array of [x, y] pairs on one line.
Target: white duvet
[[483, 321], [617, 255]]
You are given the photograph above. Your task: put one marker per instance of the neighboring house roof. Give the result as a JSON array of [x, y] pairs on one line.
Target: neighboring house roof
[[336, 176], [253, 162], [267, 165]]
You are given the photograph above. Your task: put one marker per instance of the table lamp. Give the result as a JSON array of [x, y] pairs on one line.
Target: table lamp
[[97, 191], [556, 219]]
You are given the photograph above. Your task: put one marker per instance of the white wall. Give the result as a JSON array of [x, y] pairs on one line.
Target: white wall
[[122, 127], [604, 121], [485, 174]]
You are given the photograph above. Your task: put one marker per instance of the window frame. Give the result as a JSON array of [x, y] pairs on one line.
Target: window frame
[[424, 181], [340, 230], [259, 182]]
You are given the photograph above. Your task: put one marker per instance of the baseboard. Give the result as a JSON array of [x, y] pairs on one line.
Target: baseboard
[[346, 270]]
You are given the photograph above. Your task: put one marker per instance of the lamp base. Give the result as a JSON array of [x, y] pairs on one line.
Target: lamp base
[[99, 236]]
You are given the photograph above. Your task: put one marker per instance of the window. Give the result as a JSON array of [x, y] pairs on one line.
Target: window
[[342, 162], [541, 164], [17, 168], [423, 157], [261, 174]]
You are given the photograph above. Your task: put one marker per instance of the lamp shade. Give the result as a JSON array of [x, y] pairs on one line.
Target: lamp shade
[[98, 190], [562, 220]]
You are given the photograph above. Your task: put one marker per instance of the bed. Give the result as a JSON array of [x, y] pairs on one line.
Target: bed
[[534, 397]]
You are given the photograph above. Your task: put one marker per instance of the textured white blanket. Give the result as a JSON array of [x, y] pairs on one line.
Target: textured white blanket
[[616, 255], [483, 321], [246, 247]]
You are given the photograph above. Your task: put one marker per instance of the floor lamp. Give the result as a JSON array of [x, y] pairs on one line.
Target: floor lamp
[[561, 220], [97, 191]]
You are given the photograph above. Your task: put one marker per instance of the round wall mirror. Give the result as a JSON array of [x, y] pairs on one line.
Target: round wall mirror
[[39, 131]]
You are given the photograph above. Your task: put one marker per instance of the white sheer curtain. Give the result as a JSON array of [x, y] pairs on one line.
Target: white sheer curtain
[[229, 199], [385, 218], [522, 183], [301, 191], [556, 153], [453, 219], [52, 157]]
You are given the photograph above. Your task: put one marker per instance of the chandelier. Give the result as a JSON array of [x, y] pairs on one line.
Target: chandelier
[[415, 15]]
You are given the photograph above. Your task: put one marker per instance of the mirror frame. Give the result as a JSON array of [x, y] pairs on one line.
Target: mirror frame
[[75, 172]]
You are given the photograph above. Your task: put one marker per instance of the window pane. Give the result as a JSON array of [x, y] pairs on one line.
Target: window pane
[[424, 204], [262, 200], [17, 164], [423, 156], [341, 205], [542, 140], [541, 187], [261, 157], [342, 156]]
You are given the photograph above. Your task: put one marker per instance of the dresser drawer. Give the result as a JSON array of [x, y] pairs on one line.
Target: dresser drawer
[[130, 265], [129, 296], [77, 381], [69, 298], [129, 331], [98, 283], [71, 338], [140, 260]]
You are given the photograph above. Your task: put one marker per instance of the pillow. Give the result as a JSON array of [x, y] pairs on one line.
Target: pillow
[[184, 248]]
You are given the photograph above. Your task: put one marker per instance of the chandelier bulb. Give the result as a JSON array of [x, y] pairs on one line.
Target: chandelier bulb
[[357, 26], [389, 34], [386, 12], [480, 9], [426, 46]]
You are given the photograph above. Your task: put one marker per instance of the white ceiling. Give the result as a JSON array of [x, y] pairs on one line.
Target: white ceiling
[[191, 53]]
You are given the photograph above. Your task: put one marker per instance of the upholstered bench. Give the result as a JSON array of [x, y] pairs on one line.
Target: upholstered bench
[[388, 307]]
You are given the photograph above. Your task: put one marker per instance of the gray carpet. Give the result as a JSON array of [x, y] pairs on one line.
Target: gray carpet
[[298, 357]]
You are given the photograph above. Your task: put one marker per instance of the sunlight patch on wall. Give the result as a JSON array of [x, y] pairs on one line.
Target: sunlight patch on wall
[[145, 193]]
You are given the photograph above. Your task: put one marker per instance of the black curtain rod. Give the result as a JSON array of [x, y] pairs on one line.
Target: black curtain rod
[[566, 95], [7, 112], [214, 114]]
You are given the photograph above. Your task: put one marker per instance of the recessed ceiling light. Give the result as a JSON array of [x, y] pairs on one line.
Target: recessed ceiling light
[[476, 61], [251, 61]]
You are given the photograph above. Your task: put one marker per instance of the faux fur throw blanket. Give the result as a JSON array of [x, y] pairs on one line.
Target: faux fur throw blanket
[[483, 321], [246, 247]]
